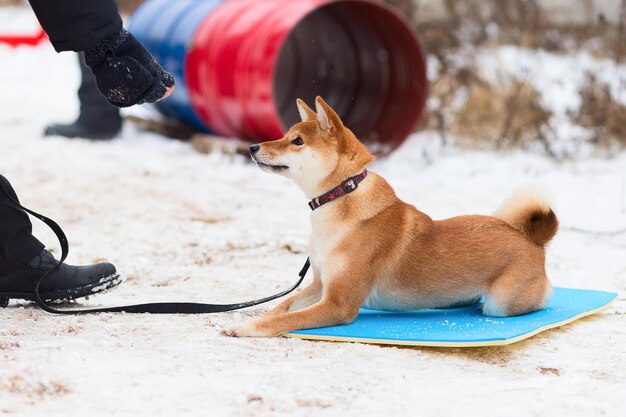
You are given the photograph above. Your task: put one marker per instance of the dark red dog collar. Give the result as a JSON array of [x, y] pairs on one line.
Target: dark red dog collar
[[346, 187]]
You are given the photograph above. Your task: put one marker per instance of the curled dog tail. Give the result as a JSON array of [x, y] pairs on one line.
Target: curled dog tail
[[530, 213]]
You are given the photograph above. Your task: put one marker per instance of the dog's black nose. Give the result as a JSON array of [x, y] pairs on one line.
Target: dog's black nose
[[254, 149]]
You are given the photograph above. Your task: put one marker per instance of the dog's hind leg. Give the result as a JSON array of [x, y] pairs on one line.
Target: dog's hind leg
[[515, 292]]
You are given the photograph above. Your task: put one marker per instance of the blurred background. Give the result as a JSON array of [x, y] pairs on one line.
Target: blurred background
[[545, 75], [542, 74]]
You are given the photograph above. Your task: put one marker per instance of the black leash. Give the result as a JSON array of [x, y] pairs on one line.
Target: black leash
[[152, 308]]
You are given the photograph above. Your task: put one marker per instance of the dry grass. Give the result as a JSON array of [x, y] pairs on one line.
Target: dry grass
[[602, 114], [32, 388], [467, 109], [502, 117]]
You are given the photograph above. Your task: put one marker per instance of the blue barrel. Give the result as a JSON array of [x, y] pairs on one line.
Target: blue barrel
[[166, 28]]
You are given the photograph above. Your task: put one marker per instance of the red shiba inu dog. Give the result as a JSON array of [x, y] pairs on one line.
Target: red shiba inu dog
[[370, 249]]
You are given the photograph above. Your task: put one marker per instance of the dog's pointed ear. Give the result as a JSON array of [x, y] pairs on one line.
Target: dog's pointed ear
[[306, 113], [326, 116]]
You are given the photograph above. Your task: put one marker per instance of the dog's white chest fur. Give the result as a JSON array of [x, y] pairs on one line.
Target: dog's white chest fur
[[325, 237]]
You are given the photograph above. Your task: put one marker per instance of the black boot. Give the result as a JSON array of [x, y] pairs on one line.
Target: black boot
[[66, 283], [79, 130], [98, 119], [23, 261]]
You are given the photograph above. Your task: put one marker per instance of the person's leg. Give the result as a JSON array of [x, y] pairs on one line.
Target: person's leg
[[98, 119], [95, 111], [24, 261], [17, 244]]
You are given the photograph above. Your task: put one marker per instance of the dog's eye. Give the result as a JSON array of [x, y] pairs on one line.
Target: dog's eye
[[297, 142]]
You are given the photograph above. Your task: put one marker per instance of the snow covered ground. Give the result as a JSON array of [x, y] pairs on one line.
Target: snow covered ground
[[184, 226]]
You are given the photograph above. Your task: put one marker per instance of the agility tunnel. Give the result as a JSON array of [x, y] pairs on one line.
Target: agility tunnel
[[241, 64]]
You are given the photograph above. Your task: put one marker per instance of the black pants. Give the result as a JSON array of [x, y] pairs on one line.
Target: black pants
[[95, 111], [17, 244]]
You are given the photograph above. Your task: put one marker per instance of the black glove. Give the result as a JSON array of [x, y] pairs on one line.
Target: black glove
[[125, 72]]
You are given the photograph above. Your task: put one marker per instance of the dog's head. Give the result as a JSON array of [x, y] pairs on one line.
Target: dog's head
[[317, 153]]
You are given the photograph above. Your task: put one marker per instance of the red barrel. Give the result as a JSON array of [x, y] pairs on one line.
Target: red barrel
[[166, 28], [251, 59]]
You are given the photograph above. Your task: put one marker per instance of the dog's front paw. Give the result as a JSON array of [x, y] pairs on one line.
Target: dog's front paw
[[232, 332], [249, 329]]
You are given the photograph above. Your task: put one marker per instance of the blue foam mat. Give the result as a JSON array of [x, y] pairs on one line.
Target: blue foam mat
[[464, 326]]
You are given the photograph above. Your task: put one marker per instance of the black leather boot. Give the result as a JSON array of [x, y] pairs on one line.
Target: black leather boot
[[98, 119], [66, 283], [80, 130]]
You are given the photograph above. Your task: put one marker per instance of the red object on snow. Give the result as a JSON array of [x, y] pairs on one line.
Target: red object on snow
[[241, 64], [249, 60], [18, 40]]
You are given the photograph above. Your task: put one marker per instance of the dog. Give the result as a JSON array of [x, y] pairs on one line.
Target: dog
[[370, 249]]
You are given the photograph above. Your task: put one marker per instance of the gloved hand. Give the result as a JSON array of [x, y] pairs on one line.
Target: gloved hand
[[126, 73]]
